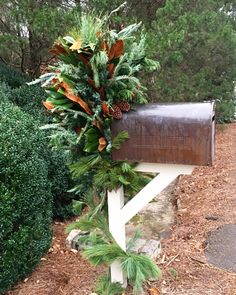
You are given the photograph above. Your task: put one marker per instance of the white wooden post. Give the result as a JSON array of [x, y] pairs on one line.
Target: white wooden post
[[115, 204], [119, 214]]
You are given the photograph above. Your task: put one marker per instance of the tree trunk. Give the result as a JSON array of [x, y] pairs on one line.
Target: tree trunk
[[35, 59]]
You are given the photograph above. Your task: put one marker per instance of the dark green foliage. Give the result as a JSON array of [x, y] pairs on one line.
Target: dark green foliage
[[105, 287], [5, 91], [196, 45], [25, 195], [29, 99], [109, 174], [11, 76], [225, 110], [29, 27], [61, 182]]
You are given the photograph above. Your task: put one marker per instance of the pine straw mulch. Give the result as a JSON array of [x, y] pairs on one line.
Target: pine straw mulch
[[207, 199]]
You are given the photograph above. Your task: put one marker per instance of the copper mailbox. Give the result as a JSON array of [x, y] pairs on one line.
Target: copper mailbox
[[178, 133]]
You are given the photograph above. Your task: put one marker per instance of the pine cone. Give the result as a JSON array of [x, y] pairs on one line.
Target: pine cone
[[116, 112], [123, 105]]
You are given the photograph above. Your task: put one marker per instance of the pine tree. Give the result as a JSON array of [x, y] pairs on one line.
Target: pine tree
[[196, 45]]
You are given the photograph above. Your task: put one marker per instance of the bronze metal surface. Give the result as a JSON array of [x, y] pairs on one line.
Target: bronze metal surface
[[178, 133]]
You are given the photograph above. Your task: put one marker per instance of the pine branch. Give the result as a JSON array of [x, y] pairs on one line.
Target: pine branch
[[84, 165], [106, 287], [119, 139], [139, 268], [100, 254]]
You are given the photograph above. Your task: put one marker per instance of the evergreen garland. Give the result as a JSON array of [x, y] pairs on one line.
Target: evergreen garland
[[94, 82]]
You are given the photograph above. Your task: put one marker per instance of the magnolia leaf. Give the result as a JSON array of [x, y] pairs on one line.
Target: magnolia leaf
[[54, 94], [104, 46], [69, 39], [65, 106], [111, 69], [69, 94], [57, 49], [83, 59], [116, 50], [48, 105], [76, 45], [91, 140], [105, 108], [59, 102], [102, 144]]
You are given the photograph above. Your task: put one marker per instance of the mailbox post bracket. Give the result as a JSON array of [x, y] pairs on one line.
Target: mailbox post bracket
[[119, 213]]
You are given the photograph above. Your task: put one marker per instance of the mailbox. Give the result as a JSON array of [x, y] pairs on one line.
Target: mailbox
[[174, 133]]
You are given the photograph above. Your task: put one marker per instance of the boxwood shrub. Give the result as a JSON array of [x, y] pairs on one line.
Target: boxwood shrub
[[25, 195], [14, 78], [29, 99]]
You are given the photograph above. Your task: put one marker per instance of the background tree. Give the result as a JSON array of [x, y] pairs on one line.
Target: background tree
[[195, 43], [29, 27]]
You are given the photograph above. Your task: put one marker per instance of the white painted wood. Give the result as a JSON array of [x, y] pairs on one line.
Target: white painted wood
[[115, 203], [167, 173], [119, 215], [160, 167], [149, 192]]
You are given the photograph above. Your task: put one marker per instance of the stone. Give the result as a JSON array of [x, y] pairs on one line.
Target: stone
[[152, 248], [221, 247], [138, 245], [72, 235]]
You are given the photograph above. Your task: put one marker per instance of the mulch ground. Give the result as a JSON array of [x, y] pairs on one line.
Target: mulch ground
[[206, 199]]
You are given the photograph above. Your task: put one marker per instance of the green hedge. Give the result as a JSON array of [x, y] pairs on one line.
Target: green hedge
[[25, 195], [14, 78], [29, 99]]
